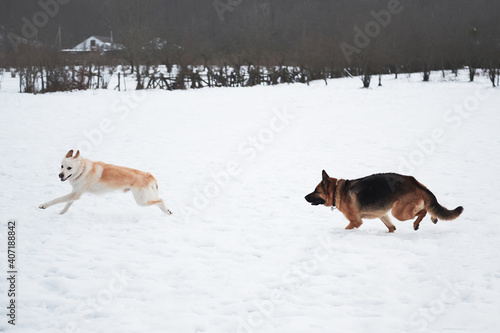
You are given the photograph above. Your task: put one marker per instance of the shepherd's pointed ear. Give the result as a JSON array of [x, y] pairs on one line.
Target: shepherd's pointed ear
[[325, 176], [70, 153], [77, 154]]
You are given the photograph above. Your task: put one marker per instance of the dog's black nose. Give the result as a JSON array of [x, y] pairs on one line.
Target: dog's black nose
[[61, 175]]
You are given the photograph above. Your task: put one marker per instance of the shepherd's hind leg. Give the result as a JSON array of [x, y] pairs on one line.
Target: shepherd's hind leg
[[387, 221], [420, 215]]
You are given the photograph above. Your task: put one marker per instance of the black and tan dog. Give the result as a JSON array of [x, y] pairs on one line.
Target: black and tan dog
[[374, 196]]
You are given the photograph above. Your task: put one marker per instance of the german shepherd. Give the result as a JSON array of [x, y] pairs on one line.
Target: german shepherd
[[98, 177], [374, 196]]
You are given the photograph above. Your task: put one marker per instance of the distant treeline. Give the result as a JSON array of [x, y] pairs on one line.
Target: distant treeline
[[320, 38], [43, 79]]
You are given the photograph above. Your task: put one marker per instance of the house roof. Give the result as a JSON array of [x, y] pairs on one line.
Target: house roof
[[104, 43], [104, 39]]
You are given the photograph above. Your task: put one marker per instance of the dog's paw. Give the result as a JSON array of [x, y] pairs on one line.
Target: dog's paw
[[169, 212], [43, 206]]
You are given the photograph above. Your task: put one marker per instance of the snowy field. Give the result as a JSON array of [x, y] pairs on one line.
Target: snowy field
[[244, 252]]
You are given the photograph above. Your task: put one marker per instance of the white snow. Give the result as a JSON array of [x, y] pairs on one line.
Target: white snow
[[244, 252]]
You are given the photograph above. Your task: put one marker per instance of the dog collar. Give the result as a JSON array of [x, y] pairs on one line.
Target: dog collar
[[76, 178], [334, 206]]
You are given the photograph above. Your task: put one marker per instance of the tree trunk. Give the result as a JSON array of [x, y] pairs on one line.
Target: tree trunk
[[492, 73], [427, 73], [366, 78], [140, 84], [472, 73]]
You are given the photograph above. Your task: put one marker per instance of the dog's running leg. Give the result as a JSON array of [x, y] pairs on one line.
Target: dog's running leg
[[354, 223], [65, 198], [387, 221], [420, 215], [164, 208], [65, 209], [158, 203]]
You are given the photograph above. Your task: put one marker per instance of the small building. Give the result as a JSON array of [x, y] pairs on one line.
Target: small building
[[98, 44]]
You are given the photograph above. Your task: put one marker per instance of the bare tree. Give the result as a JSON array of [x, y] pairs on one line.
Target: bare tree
[[135, 25]]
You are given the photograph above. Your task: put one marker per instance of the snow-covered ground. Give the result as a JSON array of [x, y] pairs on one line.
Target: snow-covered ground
[[244, 252]]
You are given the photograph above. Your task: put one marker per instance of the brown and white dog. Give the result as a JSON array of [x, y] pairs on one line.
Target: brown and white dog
[[374, 196], [98, 177]]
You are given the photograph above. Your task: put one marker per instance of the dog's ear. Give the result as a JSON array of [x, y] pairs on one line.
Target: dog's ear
[[77, 154], [70, 153], [326, 178]]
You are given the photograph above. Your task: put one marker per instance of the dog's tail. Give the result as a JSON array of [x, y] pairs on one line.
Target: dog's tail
[[439, 212]]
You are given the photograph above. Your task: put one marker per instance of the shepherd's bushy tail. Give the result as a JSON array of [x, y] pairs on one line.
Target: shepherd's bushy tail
[[436, 210]]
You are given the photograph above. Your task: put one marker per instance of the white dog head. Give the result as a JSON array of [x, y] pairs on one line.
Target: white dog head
[[70, 166]]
